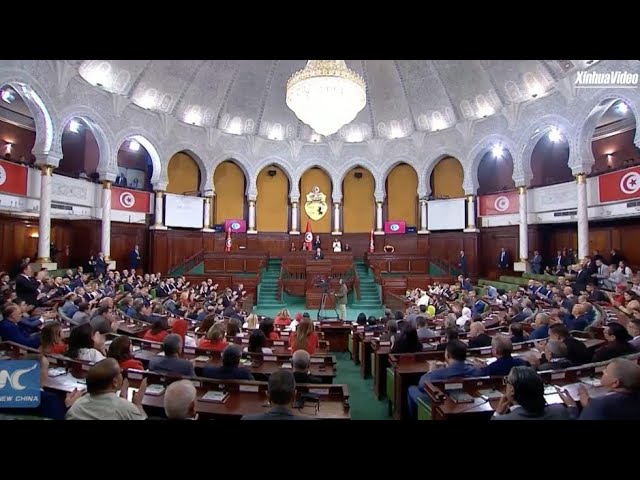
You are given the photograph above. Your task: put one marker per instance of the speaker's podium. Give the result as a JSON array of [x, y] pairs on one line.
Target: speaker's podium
[[318, 270]]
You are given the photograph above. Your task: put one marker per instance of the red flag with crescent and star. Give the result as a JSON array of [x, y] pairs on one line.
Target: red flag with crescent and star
[[228, 242], [308, 237], [620, 185], [499, 203], [372, 246]]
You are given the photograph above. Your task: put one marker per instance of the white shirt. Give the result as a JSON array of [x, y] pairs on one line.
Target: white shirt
[[90, 355], [423, 300], [265, 350], [293, 325]]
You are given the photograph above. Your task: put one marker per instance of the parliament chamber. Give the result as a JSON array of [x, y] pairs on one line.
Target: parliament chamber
[[221, 240]]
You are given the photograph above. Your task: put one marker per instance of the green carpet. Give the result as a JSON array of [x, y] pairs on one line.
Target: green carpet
[[364, 405]]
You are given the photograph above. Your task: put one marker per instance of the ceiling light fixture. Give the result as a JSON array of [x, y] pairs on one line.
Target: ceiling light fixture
[[326, 95]]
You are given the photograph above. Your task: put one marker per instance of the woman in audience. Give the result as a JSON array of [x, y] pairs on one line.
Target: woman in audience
[[391, 333], [408, 342], [304, 338], [215, 339], [618, 345], [450, 334], [51, 339], [525, 389], [257, 342], [251, 322], [180, 327], [372, 321], [86, 344], [156, 333], [282, 318], [120, 349], [206, 324], [267, 328], [517, 333], [362, 319]]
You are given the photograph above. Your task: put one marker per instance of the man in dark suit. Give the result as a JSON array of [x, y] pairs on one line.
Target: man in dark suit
[[101, 265], [134, 258], [27, 287], [230, 369], [171, 362], [300, 361], [582, 278], [559, 262], [282, 391], [622, 379], [316, 243], [503, 259], [318, 255], [501, 348], [536, 263], [462, 264], [616, 258]]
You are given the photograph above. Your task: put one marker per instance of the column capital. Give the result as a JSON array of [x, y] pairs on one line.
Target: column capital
[[46, 170], [581, 178], [252, 203], [106, 184], [379, 204], [159, 193], [470, 197], [522, 190], [423, 201], [50, 159], [162, 186]]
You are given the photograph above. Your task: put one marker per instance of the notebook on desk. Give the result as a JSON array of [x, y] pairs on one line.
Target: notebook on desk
[[215, 397], [155, 389], [490, 394], [460, 396], [592, 382]]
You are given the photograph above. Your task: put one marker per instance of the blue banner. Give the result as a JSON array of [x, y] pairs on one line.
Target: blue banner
[[19, 383]]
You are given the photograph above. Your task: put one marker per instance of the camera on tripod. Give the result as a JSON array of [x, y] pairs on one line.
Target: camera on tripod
[[323, 284]]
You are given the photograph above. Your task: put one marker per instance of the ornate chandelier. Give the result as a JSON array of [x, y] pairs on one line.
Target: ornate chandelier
[[326, 95]]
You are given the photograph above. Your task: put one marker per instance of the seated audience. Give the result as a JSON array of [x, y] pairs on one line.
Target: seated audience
[[451, 334], [104, 379], [362, 319], [120, 349], [408, 341], [501, 349], [633, 327], [86, 344], [282, 319], [555, 356], [180, 401], [618, 343], [524, 399], [541, 325], [180, 327], [230, 369], [215, 339], [82, 314], [477, 336], [171, 361], [51, 339], [423, 330], [304, 337], [156, 333], [517, 333], [300, 362], [282, 391], [251, 322], [267, 327], [257, 342]]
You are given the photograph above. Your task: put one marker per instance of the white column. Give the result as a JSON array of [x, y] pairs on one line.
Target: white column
[[524, 227], [583, 216], [423, 217], [294, 219], [159, 220], [105, 243], [252, 217], [336, 219], [207, 215], [379, 230], [471, 214], [44, 225]]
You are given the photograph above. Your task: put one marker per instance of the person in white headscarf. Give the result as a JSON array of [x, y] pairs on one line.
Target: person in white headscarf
[[466, 317]]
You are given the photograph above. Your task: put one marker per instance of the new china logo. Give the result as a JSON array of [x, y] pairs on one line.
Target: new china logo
[[19, 383]]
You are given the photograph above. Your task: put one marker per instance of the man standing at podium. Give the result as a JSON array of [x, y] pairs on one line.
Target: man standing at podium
[[341, 300]]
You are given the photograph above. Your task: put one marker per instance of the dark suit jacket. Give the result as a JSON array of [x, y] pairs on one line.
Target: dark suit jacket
[[27, 289], [462, 263], [551, 412], [580, 284], [615, 406], [276, 413], [133, 260], [482, 340], [301, 377], [178, 366], [503, 263], [101, 267], [612, 350], [318, 257], [226, 373]]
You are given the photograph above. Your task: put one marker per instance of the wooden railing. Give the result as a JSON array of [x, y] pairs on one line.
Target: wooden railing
[[189, 263]]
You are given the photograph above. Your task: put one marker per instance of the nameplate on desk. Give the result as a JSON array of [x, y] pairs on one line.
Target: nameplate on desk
[[244, 341], [453, 386], [134, 375], [269, 358], [319, 391], [485, 351], [249, 388], [189, 350], [368, 334], [360, 328], [201, 358], [156, 346], [317, 359], [286, 365], [557, 376], [385, 344], [278, 343], [136, 348]]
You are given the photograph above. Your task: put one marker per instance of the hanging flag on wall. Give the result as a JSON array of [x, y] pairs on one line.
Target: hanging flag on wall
[[499, 203], [395, 226], [308, 237], [228, 243], [620, 185], [13, 178], [372, 247], [236, 225], [130, 200]]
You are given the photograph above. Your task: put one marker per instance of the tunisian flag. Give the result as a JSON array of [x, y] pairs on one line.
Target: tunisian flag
[[499, 203], [228, 243], [130, 200], [13, 178], [372, 247], [308, 237], [621, 185]]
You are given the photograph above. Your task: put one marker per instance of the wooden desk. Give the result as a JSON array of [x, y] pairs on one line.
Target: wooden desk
[[337, 334], [379, 364]]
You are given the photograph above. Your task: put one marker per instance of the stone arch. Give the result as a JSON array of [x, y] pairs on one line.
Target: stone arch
[[191, 150], [385, 169], [529, 139], [281, 164], [432, 161], [587, 121], [100, 131], [40, 106], [472, 162], [144, 138], [346, 167], [241, 161]]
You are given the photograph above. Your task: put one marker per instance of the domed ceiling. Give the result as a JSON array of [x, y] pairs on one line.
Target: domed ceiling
[[403, 96]]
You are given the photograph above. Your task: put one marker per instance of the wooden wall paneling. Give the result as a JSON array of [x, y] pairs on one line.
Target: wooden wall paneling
[[492, 240]]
